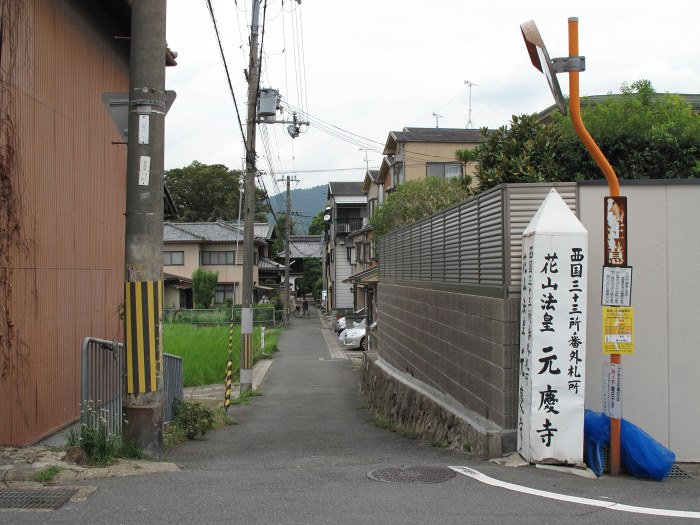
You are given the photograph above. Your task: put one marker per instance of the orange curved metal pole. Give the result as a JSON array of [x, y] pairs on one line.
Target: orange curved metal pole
[[613, 184], [575, 109]]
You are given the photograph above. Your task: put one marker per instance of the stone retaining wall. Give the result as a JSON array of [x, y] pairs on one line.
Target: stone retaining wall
[[397, 398]]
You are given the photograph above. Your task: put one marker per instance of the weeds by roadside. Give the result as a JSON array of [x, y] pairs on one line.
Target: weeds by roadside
[[386, 424], [47, 475], [246, 397], [100, 445], [192, 419]]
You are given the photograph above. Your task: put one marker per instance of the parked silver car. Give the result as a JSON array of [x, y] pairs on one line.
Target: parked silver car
[[340, 323], [354, 337]]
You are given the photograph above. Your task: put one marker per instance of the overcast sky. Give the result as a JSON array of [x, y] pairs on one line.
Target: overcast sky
[[363, 68]]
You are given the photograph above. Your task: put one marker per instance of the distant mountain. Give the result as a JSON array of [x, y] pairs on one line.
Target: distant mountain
[[306, 203]]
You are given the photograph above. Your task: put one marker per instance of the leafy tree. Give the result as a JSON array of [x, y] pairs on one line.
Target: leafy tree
[[466, 157], [312, 277], [525, 152], [204, 287], [317, 226], [415, 200], [204, 192], [644, 135]]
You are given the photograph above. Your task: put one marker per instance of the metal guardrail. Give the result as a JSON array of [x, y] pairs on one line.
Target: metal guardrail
[[103, 382], [172, 375]]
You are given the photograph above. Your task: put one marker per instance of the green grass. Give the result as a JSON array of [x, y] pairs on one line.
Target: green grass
[[387, 424], [246, 397], [47, 475], [204, 351]]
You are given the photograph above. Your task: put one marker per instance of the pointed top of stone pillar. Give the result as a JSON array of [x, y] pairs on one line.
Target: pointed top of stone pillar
[[554, 218]]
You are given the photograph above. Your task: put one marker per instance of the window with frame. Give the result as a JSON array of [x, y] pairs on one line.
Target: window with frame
[[367, 251], [225, 291], [359, 256], [372, 207], [212, 258], [398, 176], [173, 258], [444, 170], [349, 253]]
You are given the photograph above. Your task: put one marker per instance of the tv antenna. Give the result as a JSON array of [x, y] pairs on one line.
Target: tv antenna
[[470, 124], [366, 159], [436, 119]]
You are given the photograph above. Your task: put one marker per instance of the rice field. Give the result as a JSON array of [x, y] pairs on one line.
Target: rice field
[[204, 350]]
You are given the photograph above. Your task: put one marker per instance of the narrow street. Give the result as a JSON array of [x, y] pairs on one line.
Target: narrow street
[[301, 453]]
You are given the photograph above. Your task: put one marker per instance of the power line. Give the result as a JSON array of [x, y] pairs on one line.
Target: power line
[[228, 76]]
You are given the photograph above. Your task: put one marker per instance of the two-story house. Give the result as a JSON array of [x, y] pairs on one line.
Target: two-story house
[[416, 153], [364, 263], [348, 213], [215, 247]]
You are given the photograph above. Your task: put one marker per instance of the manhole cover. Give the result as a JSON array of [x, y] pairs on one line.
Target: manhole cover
[[411, 474], [34, 498]]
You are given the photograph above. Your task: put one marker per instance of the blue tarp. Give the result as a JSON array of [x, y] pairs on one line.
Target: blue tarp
[[640, 454]]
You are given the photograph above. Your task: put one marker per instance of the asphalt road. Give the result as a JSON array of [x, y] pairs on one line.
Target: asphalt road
[[300, 454]]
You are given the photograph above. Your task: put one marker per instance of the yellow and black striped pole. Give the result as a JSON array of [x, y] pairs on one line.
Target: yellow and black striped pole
[[229, 367], [143, 302]]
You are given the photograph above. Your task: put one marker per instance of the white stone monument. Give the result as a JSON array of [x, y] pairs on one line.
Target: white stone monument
[[553, 335]]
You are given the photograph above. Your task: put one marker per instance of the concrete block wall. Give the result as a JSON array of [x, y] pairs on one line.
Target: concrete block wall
[[463, 345]]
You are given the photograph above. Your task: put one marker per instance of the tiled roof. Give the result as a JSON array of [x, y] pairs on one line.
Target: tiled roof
[[340, 189], [219, 231], [438, 135], [269, 265], [301, 246], [264, 230]]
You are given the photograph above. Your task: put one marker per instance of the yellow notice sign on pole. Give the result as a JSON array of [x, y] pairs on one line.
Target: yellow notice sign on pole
[[618, 330]]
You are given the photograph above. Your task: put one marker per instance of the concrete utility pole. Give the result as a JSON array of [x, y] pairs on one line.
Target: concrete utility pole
[[287, 232], [249, 209], [144, 228]]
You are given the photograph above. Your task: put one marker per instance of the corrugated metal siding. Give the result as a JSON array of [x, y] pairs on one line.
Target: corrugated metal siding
[[452, 232], [523, 202], [477, 242], [67, 281], [491, 239], [469, 244]]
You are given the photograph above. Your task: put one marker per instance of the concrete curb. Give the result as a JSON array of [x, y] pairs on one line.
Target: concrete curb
[[214, 394]]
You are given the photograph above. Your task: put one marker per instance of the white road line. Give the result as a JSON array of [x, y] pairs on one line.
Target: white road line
[[610, 505]]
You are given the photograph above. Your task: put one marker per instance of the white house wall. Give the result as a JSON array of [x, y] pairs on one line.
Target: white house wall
[[660, 380], [343, 296]]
